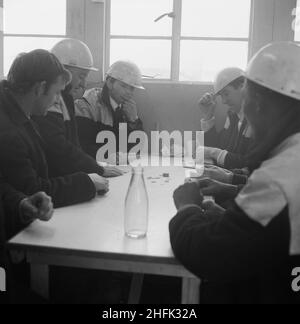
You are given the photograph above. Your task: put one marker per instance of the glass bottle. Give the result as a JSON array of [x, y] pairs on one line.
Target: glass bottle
[[136, 205]]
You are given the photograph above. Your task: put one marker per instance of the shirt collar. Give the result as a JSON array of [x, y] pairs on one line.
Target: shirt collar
[[241, 115], [113, 103], [15, 112]]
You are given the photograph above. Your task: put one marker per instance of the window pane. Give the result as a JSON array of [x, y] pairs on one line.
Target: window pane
[[296, 22], [152, 56], [216, 18], [35, 17], [136, 17], [202, 60], [16, 45]]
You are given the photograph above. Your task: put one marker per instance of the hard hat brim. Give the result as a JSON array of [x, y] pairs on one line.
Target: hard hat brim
[[294, 95], [139, 87], [132, 85], [218, 93], [227, 84], [83, 68]]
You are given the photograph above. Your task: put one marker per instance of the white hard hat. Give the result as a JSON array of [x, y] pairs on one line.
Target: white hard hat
[[72, 52], [277, 67], [126, 72], [225, 77]]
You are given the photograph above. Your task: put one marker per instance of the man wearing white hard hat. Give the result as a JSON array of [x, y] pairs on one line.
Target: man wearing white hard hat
[[253, 248], [104, 109], [227, 147], [58, 127]]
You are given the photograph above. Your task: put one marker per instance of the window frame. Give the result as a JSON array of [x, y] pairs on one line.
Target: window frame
[[176, 39]]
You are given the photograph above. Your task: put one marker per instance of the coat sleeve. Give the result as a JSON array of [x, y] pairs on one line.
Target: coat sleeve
[[239, 179], [136, 126], [211, 138], [71, 158], [11, 205], [89, 121], [234, 161], [229, 247], [87, 132], [19, 170]]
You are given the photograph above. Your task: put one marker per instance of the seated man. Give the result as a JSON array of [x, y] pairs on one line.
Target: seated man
[[58, 128], [104, 109], [228, 147], [34, 82], [250, 251], [16, 212]]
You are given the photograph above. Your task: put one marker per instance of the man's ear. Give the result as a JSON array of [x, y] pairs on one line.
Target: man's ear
[[40, 88]]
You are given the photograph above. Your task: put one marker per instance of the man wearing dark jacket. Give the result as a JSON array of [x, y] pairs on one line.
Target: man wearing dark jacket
[[16, 212], [228, 147], [34, 82], [59, 128], [252, 249]]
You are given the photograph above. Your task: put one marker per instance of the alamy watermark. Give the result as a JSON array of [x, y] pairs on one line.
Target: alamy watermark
[[296, 20], [2, 280], [185, 146], [296, 281]]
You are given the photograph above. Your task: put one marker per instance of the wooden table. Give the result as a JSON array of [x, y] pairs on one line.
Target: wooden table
[[91, 235]]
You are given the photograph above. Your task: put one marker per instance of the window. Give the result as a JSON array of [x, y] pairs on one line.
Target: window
[[135, 35], [192, 42], [32, 24]]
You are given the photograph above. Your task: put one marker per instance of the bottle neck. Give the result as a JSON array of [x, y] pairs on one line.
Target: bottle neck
[[137, 170], [137, 175]]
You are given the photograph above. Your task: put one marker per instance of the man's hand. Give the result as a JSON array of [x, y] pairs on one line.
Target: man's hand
[[130, 110], [218, 174], [101, 184], [38, 206], [207, 105], [215, 188], [112, 172], [187, 194]]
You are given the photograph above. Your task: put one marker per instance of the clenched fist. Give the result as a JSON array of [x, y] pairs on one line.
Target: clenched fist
[[101, 184], [207, 105], [38, 206]]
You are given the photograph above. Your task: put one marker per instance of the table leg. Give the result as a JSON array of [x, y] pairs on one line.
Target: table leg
[[135, 289], [40, 279], [190, 291]]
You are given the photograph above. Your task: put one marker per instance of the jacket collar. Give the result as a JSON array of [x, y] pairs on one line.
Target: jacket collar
[[10, 106]]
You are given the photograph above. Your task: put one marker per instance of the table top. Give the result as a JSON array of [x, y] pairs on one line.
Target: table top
[[96, 228]]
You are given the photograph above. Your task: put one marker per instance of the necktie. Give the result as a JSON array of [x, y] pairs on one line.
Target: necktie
[[120, 115], [234, 131]]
